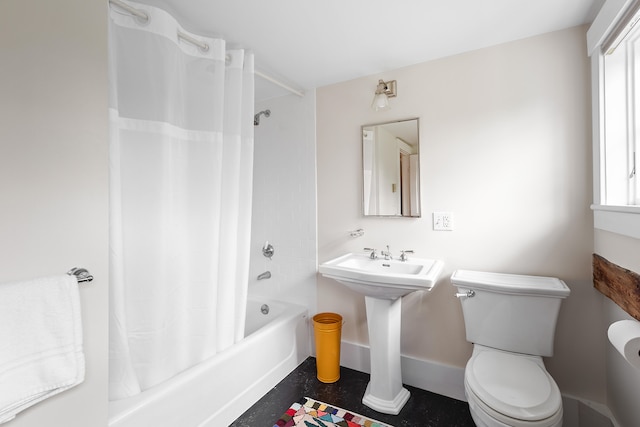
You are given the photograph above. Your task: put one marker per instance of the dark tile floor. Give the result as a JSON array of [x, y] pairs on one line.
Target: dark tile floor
[[424, 409]]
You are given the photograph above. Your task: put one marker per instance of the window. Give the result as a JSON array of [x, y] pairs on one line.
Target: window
[[614, 46], [621, 79]]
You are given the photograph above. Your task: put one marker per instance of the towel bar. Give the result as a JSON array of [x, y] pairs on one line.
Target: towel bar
[[82, 274]]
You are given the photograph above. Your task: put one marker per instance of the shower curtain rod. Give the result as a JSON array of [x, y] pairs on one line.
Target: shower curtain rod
[[279, 83], [205, 47]]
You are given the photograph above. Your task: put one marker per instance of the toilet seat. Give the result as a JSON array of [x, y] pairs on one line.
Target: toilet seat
[[484, 416], [513, 388]]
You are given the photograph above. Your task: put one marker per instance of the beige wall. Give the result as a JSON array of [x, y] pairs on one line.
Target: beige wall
[[54, 174], [505, 146]]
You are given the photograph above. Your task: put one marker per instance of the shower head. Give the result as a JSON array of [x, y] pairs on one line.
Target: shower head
[[256, 118]]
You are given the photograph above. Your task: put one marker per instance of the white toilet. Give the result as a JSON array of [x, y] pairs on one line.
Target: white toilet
[[511, 321]]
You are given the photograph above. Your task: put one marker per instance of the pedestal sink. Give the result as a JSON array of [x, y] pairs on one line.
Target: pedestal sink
[[383, 283]]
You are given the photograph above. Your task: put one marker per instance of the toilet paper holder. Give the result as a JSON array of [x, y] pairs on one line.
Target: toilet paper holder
[[624, 335]]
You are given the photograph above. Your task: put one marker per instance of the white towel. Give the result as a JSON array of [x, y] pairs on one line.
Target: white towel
[[40, 341]]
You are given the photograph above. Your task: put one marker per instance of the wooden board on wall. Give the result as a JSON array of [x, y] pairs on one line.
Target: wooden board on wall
[[620, 285]]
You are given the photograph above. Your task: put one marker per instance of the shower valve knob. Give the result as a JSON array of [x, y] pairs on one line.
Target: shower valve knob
[[268, 250]]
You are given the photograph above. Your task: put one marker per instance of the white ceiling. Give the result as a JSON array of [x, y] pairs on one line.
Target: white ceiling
[[308, 44]]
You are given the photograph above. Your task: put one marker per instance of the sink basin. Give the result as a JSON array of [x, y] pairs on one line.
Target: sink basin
[[388, 279]]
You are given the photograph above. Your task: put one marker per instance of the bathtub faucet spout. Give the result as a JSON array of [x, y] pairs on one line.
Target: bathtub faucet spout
[[265, 275]]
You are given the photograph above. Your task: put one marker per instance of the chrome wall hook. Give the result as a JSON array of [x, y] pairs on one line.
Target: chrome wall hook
[[357, 233]]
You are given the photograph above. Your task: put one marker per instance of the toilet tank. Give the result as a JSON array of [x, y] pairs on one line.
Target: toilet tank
[[511, 312]]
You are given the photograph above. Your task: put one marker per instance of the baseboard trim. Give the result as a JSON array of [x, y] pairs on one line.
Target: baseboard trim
[[578, 412], [435, 377]]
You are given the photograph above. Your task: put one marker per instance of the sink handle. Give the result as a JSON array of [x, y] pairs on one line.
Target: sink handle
[[373, 254], [403, 254]]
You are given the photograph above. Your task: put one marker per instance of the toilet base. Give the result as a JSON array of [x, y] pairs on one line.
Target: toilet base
[[392, 406]]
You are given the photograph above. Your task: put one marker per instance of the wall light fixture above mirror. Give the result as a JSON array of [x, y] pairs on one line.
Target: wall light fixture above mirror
[[384, 91], [391, 169]]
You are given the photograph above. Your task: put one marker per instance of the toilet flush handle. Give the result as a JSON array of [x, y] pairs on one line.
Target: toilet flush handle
[[469, 294]]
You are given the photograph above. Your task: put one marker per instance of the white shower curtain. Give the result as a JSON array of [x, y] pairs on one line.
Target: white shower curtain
[[181, 183]]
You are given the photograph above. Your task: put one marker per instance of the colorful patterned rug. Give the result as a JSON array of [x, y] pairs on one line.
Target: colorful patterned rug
[[311, 413]]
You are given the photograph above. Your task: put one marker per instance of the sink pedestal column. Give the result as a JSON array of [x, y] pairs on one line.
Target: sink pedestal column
[[385, 392]]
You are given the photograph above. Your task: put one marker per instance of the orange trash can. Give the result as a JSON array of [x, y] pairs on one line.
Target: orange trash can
[[327, 328]]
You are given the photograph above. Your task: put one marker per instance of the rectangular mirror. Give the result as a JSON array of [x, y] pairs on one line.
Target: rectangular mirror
[[391, 169]]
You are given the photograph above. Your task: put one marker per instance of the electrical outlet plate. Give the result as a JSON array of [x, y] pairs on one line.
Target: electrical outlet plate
[[443, 221]]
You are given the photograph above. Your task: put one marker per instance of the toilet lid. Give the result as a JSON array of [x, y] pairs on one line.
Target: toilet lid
[[513, 385]]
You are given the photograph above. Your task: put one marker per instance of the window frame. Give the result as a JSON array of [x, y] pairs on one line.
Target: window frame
[[620, 219]]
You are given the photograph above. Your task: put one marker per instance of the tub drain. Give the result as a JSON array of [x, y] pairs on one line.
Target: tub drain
[[264, 309]]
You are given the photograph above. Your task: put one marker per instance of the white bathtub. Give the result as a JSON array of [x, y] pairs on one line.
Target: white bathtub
[[220, 389]]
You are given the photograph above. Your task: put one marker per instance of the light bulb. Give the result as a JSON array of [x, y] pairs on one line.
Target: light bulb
[[380, 102]]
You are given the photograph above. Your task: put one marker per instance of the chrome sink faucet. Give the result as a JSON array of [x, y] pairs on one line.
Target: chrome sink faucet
[[387, 254]]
